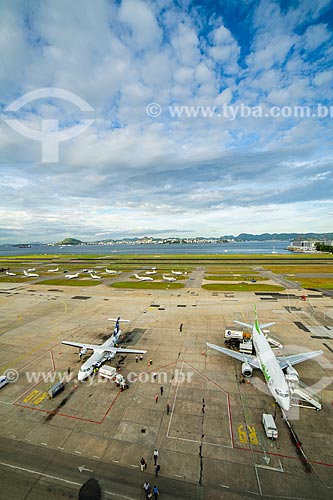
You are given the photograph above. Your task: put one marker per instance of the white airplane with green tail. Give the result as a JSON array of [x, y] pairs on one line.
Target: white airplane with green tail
[[265, 360]]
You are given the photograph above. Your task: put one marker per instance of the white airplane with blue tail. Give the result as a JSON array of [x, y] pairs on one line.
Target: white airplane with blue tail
[[102, 353]]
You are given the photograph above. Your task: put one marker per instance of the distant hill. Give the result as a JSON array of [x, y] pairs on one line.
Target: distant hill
[[281, 236], [69, 241], [197, 239]]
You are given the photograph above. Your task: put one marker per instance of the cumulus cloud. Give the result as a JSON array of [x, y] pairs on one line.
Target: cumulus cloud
[[131, 171]]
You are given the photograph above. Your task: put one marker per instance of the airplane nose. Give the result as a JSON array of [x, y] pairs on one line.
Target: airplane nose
[[285, 403]]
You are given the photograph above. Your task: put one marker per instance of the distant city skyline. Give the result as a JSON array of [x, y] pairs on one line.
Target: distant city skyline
[[208, 118]]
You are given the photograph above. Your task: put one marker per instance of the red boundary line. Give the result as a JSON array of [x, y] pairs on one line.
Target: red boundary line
[[157, 369], [52, 412], [249, 449], [228, 401]]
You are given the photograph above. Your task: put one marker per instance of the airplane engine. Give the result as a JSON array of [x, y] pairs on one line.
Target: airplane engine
[[111, 355], [83, 351], [247, 370], [292, 373]]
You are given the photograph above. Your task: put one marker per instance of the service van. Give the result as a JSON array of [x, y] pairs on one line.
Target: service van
[[269, 426], [3, 381]]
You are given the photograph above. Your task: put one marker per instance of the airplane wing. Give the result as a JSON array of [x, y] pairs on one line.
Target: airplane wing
[[122, 349], [81, 344], [294, 359], [245, 358]]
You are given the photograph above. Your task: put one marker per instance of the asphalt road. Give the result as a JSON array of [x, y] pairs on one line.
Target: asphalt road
[[278, 279], [32, 472], [195, 278]]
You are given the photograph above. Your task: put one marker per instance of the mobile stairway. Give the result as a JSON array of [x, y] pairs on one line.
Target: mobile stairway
[[302, 395], [274, 342]]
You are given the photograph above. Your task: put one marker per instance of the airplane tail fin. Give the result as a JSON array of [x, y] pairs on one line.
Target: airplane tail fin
[[265, 325], [247, 325], [259, 326]]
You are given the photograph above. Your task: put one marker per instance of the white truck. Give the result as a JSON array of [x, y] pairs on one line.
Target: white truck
[[121, 382], [269, 426], [233, 334]]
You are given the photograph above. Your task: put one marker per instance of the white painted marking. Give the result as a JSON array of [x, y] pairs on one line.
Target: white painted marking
[[5, 403], [45, 444], [40, 473], [174, 404], [176, 475], [134, 466], [61, 448], [116, 461], [197, 441], [95, 456], [79, 452], [82, 468], [259, 485], [224, 486], [12, 436], [269, 468]]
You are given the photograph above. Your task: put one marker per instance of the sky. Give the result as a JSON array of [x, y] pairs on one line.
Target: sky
[[207, 118]]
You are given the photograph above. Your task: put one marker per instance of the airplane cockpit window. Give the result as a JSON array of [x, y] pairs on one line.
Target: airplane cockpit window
[[281, 393]]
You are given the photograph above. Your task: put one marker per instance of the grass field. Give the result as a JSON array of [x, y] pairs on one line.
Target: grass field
[[325, 283], [242, 277], [15, 279], [297, 269], [242, 287], [221, 268], [152, 285], [73, 282]]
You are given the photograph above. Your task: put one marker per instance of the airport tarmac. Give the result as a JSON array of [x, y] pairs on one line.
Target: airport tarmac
[[212, 444]]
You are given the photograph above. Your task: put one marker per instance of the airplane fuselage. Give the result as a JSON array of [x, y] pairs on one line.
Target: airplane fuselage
[[99, 356], [270, 367]]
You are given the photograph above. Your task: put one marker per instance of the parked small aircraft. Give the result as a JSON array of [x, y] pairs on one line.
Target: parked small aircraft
[[110, 271], [169, 278], [53, 270], [143, 278], [95, 277], [176, 272], [71, 276], [30, 275]]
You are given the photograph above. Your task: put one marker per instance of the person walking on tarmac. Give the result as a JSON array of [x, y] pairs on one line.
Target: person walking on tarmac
[[143, 464], [155, 492]]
